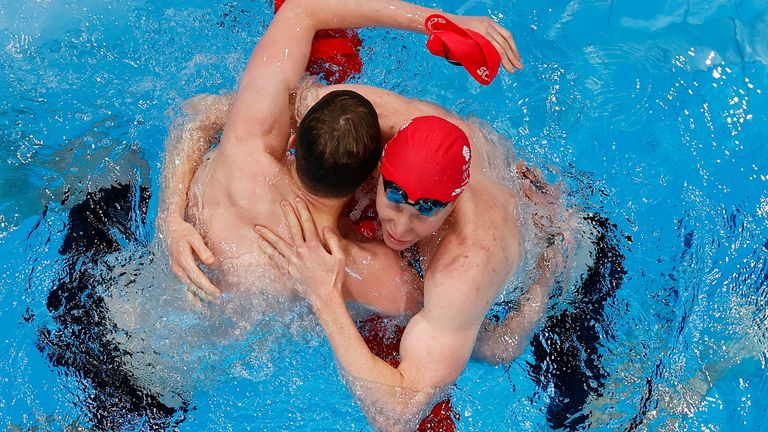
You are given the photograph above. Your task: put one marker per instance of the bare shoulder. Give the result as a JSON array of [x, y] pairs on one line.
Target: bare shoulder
[[378, 278], [464, 257], [459, 279], [246, 181]]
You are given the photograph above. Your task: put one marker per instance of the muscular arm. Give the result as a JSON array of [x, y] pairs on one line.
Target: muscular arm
[[259, 117], [435, 347], [503, 342], [437, 342], [188, 140], [260, 114], [190, 137]]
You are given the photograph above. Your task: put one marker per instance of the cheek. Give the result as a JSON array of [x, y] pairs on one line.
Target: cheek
[[383, 212], [429, 226], [421, 227]]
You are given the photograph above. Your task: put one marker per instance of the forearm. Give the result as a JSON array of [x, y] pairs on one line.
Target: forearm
[[392, 409], [366, 13], [349, 347], [290, 34], [381, 390], [503, 342], [532, 306], [187, 142]]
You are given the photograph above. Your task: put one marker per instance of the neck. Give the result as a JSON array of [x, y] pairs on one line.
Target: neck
[[325, 211]]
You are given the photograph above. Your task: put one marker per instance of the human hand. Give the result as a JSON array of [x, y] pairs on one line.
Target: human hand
[[550, 215], [499, 37], [535, 188], [184, 242], [318, 268]]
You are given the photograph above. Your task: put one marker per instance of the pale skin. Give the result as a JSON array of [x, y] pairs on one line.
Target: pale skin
[[495, 343], [470, 249], [248, 176], [248, 180]]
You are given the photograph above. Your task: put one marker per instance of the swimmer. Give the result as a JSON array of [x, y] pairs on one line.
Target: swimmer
[[222, 214], [464, 224], [244, 180], [495, 253]]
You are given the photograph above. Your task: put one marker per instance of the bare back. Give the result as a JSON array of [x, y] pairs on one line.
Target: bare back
[[226, 214], [376, 275]]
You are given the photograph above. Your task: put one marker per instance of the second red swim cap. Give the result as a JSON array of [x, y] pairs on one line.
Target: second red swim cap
[[428, 158]]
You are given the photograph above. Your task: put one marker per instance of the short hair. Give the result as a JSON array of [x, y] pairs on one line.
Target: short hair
[[338, 144]]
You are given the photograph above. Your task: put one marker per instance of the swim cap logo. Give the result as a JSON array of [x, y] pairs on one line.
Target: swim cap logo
[[434, 20], [466, 153], [483, 73]]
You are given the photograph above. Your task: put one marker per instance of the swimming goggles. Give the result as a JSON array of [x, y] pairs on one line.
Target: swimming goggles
[[425, 206]]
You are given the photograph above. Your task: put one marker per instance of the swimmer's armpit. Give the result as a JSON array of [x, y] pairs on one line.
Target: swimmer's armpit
[[392, 409]]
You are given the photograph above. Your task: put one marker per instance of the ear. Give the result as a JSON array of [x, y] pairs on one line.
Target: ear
[[291, 145]]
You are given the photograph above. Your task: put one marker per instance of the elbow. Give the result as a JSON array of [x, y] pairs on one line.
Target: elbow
[[499, 356], [197, 105], [497, 349], [313, 15], [505, 356]]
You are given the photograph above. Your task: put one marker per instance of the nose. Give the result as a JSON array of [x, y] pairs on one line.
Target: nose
[[399, 226]]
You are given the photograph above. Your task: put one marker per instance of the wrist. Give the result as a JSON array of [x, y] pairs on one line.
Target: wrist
[[329, 301], [167, 219]]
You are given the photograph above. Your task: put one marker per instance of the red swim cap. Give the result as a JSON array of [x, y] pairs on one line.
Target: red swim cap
[[428, 158], [461, 45]]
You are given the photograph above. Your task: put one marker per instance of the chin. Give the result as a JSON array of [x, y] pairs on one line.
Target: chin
[[396, 245]]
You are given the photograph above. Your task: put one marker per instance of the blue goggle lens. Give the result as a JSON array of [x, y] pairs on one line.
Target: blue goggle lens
[[395, 197], [425, 206], [426, 209]]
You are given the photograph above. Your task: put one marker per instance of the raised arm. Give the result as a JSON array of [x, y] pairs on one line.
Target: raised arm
[[190, 137], [259, 118]]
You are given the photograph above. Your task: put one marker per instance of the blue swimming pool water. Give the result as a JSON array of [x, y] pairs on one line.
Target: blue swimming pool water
[[651, 113]]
